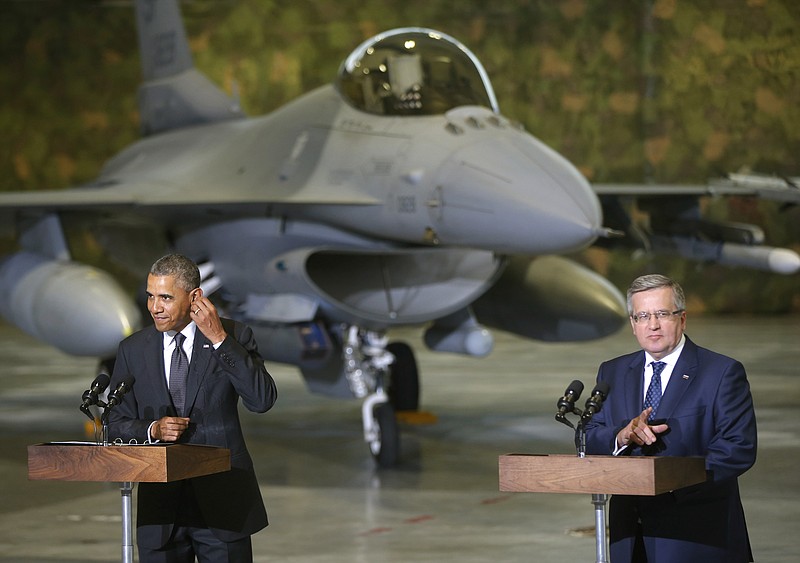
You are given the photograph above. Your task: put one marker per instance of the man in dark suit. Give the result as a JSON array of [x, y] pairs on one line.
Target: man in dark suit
[[190, 369], [699, 405]]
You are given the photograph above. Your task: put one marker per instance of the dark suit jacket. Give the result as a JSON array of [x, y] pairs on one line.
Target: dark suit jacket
[[230, 502], [709, 410]]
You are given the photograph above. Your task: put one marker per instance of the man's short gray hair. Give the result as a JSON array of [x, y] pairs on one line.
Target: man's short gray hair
[[656, 281]]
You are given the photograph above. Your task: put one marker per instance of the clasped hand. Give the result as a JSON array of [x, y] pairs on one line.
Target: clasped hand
[[639, 432], [169, 428]]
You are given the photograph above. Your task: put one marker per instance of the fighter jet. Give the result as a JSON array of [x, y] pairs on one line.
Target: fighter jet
[[397, 196]]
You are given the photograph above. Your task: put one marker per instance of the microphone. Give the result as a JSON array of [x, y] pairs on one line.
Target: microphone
[[567, 403], [98, 386], [595, 402], [90, 395], [115, 397]]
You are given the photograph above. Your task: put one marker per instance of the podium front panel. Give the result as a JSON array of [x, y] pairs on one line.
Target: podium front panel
[[634, 475], [155, 463]]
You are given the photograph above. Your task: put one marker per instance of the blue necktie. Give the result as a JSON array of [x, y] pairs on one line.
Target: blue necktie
[[653, 396], [178, 372]]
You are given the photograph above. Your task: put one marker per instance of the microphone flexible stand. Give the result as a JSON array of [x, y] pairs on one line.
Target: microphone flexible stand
[[104, 423]]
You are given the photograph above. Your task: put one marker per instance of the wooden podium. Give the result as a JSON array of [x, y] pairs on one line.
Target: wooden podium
[[603, 474], [600, 476], [126, 464], [152, 463]]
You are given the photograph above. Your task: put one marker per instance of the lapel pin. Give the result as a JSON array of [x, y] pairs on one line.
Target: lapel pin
[[206, 346], [685, 376]]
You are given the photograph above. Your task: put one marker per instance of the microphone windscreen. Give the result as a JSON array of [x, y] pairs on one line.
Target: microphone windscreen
[[602, 387], [576, 387], [101, 382]]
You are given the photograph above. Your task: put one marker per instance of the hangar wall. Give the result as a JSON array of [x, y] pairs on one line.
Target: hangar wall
[[640, 91]]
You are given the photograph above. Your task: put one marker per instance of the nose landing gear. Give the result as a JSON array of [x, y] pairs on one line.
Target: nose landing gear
[[367, 367]]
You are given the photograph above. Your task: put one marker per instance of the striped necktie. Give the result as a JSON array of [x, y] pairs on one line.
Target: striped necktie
[[178, 372], [653, 396]]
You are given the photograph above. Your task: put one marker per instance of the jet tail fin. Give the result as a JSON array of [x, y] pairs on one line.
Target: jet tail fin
[[174, 94]]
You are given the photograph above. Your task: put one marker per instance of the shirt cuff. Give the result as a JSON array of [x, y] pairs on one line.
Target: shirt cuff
[[619, 449], [149, 439]]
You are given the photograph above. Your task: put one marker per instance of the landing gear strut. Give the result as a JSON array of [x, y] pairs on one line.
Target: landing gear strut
[[367, 364], [380, 429]]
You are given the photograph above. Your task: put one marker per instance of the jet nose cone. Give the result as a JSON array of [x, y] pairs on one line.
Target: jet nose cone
[[511, 193]]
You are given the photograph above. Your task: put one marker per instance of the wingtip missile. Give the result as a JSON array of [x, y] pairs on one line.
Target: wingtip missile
[[758, 257], [767, 258]]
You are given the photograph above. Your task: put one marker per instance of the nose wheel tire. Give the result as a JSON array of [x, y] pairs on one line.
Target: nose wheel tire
[[385, 445], [403, 378]]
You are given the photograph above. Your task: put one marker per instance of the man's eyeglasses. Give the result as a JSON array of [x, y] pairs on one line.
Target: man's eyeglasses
[[660, 315]]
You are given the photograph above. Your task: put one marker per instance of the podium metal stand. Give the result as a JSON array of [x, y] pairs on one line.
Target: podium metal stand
[[600, 476], [126, 464]]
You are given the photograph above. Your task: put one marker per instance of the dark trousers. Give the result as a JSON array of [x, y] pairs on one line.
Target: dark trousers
[[192, 541], [198, 544]]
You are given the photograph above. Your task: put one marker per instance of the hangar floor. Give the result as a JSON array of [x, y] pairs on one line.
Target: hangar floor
[[327, 502]]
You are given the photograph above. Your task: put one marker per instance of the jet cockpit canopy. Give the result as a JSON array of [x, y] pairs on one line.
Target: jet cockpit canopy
[[414, 71]]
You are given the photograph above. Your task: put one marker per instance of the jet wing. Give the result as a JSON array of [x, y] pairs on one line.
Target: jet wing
[[676, 223], [134, 195], [774, 188]]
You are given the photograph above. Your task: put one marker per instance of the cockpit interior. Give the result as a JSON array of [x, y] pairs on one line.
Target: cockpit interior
[[413, 72]]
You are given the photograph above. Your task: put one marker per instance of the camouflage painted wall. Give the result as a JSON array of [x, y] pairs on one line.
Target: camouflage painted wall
[[629, 90]]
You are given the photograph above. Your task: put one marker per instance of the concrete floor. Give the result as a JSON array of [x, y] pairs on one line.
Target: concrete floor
[[327, 502]]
